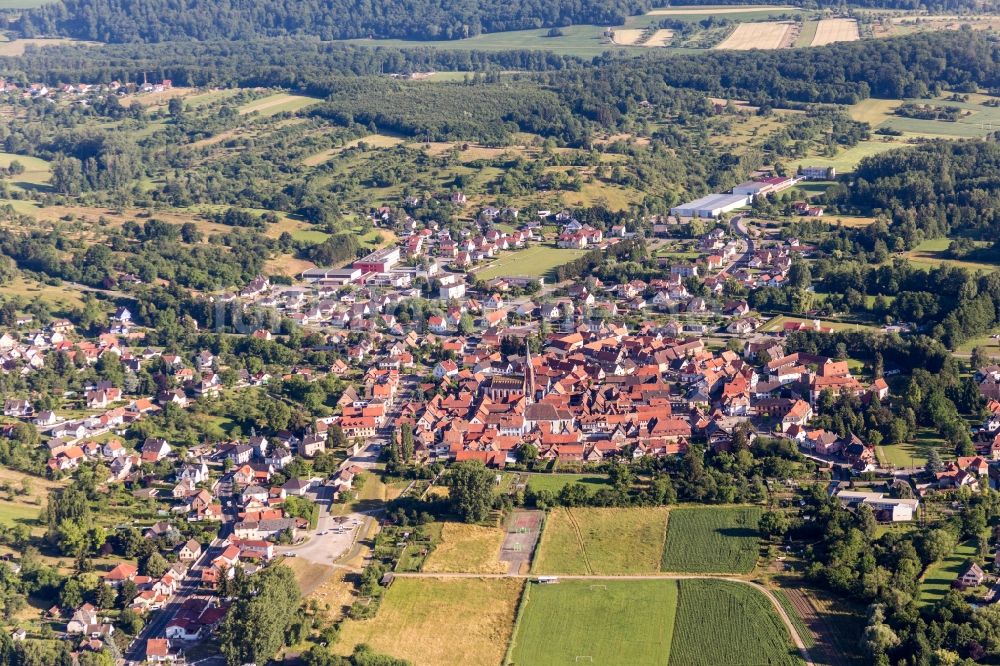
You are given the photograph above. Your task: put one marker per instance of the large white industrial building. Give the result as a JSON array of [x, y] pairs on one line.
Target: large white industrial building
[[713, 205]]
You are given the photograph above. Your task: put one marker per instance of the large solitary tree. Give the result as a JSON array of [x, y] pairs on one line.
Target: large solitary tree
[[471, 490]]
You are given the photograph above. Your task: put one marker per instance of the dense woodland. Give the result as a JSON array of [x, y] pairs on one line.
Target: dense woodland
[[164, 20]]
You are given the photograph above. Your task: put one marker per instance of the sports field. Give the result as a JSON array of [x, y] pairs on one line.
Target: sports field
[[836, 30], [759, 35], [467, 549], [534, 261], [712, 540], [721, 623], [601, 541], [599, 622], [440, 621]]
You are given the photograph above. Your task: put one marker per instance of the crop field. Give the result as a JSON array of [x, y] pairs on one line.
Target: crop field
[[725, 623], [759, 35], [533, 261], [277, 103], [939, 576], [712, 540], [467, 549], [836, 30], [439, 622], [602, 541], [604, 622]]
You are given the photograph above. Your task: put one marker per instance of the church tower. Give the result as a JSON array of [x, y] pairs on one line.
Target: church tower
[[529, 374]]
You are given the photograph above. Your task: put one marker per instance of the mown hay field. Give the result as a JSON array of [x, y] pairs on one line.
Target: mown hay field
[[627, 36], [439, 621], [602, 541], [467, 549], [660, 38], [599, 622], [724, 623], [759, 35], [712, 540], [834, 30]]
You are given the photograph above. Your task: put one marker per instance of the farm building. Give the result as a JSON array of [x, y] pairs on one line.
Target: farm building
[[713, 205]]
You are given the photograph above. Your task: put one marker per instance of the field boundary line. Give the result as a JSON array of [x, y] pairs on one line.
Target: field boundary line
[[579, 540], [521, 604], [663, 546]]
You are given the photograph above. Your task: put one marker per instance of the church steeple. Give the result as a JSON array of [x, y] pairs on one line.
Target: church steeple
[[529, 374]]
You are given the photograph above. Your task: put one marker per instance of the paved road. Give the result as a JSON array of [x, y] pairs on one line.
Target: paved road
[[160, 619], [738, 224], [796, 639]]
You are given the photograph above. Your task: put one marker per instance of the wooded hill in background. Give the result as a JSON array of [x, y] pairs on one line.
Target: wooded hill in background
[[845, 73], [165, 20]]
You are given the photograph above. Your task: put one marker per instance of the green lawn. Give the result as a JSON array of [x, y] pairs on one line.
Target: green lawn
[[310, 235], [939, 576], [848, 158], [533, 261], [723, 623], [934, 252], [12, 513], [712, 540], [909, 454], [555, 482], [777, 324], [36, 171], [611, 622]]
